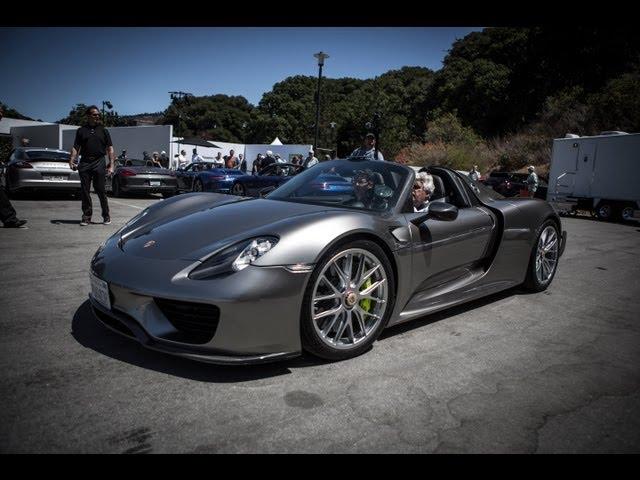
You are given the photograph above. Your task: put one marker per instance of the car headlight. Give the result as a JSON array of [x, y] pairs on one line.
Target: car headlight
[[233, 258]]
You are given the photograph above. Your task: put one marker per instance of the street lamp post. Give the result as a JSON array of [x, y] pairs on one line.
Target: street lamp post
[[320, 56], [179, 96], [109, 106]]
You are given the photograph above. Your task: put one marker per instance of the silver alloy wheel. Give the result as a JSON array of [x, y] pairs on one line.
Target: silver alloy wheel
[[349, 299], [604, 211], [237, 189], [547, 254], [627, 213]]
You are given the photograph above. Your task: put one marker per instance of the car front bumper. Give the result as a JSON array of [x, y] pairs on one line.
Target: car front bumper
[[259, 309]]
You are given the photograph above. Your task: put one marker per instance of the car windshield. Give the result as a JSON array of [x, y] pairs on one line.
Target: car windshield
[[484, 193], [361, 184], [47, 155]]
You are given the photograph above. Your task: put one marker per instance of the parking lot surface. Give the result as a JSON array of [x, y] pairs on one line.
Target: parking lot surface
[[557, 371]]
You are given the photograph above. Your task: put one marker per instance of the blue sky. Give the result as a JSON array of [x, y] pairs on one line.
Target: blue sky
[[48, 70]]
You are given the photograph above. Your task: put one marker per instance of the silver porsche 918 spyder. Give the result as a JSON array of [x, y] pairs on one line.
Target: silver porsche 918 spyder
[[228, 279]]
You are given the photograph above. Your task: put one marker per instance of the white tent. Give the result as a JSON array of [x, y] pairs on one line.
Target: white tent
[[276, 141]]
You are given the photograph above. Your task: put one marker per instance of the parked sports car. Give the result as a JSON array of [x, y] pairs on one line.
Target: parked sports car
[[206, 177], [272, 175], [40, 169], [137, 176], [228, 279]]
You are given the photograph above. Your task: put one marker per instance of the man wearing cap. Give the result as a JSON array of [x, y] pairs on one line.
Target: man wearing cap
[[368, 149], [310, 161]]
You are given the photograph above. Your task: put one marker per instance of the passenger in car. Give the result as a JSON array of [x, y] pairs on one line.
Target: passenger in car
[[423, 188]]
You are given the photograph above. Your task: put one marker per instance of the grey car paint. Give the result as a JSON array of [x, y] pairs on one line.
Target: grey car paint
[[437, 264], [44, 174]]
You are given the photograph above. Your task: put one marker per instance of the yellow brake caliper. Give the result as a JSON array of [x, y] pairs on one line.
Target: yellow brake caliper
[[365, 303]]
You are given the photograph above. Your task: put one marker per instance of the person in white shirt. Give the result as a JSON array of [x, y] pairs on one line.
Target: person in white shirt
[[310, 161], [195, 158], [182, 159], [219, 161], [474, 174], [368, 149], [423, 188]]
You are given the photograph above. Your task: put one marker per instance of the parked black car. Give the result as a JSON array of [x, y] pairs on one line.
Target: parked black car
[[139, 176]]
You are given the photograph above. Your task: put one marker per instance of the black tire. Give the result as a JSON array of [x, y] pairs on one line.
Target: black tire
[[311, 341], [626, 213], [605, 211], [532, 283], [197, 185], [238, 189]]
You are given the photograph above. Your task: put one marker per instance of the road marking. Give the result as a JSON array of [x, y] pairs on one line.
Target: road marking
[[126, 204]]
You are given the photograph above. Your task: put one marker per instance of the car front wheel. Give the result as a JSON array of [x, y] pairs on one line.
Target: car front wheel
[[543, 261], [348, 301], [197, 185]]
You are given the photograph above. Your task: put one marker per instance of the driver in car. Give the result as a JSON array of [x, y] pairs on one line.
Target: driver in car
[[367, 195]]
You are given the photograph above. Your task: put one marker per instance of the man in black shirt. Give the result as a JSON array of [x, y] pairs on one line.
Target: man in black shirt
[[93, 142], [7, 212]]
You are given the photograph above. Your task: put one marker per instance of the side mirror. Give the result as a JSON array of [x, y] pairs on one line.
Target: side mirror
[[443, 211]]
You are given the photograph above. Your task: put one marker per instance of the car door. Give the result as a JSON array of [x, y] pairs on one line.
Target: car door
[[445, 251]]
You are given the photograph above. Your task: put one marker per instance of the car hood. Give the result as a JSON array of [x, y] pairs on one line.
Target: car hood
[[200, 228]]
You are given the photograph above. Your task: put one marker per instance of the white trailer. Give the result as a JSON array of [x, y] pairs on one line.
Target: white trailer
[[600, 174]]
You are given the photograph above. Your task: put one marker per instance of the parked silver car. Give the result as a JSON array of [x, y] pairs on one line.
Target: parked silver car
[[40, 169]]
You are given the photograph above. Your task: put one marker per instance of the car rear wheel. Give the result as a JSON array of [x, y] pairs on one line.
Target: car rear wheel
[[197, 185], [238, 189], [348, 301], [543, 262]]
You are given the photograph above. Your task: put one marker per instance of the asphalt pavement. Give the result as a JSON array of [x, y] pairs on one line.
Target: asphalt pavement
[[554, 372]]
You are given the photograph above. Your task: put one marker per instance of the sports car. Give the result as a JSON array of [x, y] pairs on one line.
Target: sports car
[[272, 175], [40, 169], [137, 176], [206, 177], [236, 280]]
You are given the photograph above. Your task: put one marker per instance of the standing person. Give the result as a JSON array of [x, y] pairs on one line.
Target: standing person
[[219, 161], [155, 160], [164, 160], [182, 159], [195, 158], [7, 212], [474, 174], [268, 160], [368, 148], [310, 161], [231, 161], [123, 156], [93, 143], [257, 164], [243, 163], [532, 181]]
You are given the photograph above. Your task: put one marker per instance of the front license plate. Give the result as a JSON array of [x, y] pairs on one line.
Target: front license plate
[[55, 179], [154, 183], [100, 291]]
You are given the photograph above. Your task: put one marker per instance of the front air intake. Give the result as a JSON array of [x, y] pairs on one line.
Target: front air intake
[[195, 322]]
